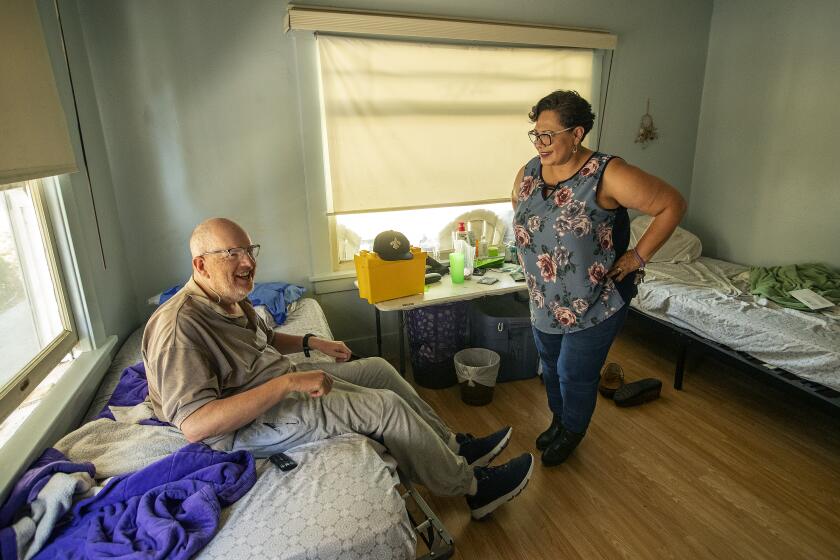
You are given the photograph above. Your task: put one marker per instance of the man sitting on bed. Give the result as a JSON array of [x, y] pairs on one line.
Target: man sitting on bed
[[219, 374]]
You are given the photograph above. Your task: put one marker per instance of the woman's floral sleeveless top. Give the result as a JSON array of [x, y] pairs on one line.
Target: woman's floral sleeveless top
[[565, 246]]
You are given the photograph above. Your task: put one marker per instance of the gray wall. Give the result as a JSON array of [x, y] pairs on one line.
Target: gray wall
[[766, 185], [101, 272], [203, 112]]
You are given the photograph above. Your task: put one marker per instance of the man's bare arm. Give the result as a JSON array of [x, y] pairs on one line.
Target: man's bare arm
[[289, 344], [226, 415]]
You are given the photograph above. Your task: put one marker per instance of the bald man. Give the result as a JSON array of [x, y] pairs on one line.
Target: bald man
[[219, 374]]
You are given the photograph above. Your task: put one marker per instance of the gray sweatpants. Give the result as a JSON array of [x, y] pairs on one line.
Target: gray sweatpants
[[368, 397]]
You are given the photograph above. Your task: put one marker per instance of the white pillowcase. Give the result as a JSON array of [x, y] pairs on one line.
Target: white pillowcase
[[682, 247]]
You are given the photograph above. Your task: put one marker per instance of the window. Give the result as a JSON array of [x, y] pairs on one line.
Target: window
[[418, 133], [36, 329], [428, 228]]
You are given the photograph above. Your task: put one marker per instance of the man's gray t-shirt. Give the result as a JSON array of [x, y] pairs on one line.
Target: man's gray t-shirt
[[195, 352]]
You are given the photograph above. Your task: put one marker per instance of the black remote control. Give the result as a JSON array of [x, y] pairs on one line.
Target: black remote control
[[283, 461]]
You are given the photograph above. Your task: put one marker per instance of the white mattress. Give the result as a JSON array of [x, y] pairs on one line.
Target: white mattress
[[340, 502], [711, 298]]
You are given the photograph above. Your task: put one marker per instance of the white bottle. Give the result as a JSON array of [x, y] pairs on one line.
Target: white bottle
[[462, 233]]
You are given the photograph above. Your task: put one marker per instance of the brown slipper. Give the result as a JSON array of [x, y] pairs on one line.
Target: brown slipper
[[638, 392], [612, 379]]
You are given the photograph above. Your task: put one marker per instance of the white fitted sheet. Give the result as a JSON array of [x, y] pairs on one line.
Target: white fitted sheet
[[710, 298]]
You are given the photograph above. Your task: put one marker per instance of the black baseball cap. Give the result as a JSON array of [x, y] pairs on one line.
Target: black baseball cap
[[392, 246]]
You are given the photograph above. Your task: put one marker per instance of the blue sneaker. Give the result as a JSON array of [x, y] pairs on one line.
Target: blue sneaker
[[499, 485], [479, 452]]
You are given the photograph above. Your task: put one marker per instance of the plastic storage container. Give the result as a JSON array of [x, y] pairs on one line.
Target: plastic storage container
[[435, 335], [503, 324], [381, 280], [476, 369]]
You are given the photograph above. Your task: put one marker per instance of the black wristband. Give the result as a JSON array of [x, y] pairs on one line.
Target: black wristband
[[306, 347]]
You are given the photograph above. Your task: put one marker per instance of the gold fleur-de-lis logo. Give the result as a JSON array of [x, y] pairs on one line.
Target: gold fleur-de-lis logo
[[395, 244]]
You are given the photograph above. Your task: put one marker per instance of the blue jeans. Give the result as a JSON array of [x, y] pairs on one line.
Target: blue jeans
[[571, 366]]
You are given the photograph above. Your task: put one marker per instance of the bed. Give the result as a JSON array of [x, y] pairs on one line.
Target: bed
[[707, 303], [344, 500]]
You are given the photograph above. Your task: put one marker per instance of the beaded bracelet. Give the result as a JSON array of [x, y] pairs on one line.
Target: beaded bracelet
[[638, 258]]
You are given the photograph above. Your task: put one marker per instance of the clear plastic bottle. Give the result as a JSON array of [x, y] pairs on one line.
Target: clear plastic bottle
[[462, 233], [482, 248]]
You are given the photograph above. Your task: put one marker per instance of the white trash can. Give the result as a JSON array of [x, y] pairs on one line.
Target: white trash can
[[477, 369]]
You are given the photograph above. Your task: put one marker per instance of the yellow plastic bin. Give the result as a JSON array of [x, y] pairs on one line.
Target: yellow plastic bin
[[381, 280]]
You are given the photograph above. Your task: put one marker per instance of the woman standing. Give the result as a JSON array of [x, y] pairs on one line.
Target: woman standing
[[572, 234]]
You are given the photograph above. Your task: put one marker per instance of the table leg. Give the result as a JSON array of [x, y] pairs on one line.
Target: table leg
[[402, 345], [378, 333]]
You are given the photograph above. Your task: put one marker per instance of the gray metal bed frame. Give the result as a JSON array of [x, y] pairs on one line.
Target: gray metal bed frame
[[823, 396]]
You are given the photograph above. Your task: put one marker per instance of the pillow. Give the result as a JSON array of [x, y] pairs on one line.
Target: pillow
[[682, 247], [269, 299]]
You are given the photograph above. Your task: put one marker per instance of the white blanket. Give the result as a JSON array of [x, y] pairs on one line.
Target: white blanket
[[53, 501], [117, 447]]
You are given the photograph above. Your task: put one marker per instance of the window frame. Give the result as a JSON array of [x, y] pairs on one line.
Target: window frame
[[419, 28], [30, 376]]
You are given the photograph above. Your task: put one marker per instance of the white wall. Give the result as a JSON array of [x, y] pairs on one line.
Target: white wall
[[766, 185], [202, 109]]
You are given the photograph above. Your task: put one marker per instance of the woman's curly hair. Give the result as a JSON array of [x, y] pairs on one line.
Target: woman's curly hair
[[572, 109]]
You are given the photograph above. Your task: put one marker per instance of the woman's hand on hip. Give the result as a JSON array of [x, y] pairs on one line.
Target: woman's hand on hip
[[624, 265]]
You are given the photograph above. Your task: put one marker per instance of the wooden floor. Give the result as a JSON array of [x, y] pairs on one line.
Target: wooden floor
[[728, 468]]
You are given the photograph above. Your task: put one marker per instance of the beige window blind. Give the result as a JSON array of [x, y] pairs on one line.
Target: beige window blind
[[418, 125], [33, 133], [387, 24]]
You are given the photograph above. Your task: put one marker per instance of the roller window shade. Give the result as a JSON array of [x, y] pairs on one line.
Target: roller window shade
[[418, 125], [33, 133], [385, 24]]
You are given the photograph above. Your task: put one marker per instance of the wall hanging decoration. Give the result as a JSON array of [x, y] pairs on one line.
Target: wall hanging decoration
[[647, 131]]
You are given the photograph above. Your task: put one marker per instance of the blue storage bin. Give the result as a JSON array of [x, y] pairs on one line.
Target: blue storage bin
[[503, 324]]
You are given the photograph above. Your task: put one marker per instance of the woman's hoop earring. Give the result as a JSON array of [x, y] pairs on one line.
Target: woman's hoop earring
[[575, 149]]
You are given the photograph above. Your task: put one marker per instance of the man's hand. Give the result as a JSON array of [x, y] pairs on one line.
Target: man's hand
[[333, 348], [316, 383]]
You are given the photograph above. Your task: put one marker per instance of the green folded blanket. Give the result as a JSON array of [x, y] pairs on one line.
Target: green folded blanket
[[776, 282]]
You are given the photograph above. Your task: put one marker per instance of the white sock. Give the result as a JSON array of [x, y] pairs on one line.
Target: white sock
[[453, 443], [473, 487]]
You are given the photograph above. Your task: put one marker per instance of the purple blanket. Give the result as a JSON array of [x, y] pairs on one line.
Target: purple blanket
[[131, 390], [26, 490], [170, 509]]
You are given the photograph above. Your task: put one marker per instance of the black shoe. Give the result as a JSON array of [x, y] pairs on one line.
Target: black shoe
[[561, 448], [479, 452], [545, 438], [638, 392], [498, 485]]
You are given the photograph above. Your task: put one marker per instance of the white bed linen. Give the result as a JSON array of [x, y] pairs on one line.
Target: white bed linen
[[340, 502], [322, 509], [709, 297]]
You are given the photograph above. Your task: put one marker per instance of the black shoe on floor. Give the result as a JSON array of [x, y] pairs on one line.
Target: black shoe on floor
[[560, 448], [498, 485], [545, 438], [479, 452], [638, 392]]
